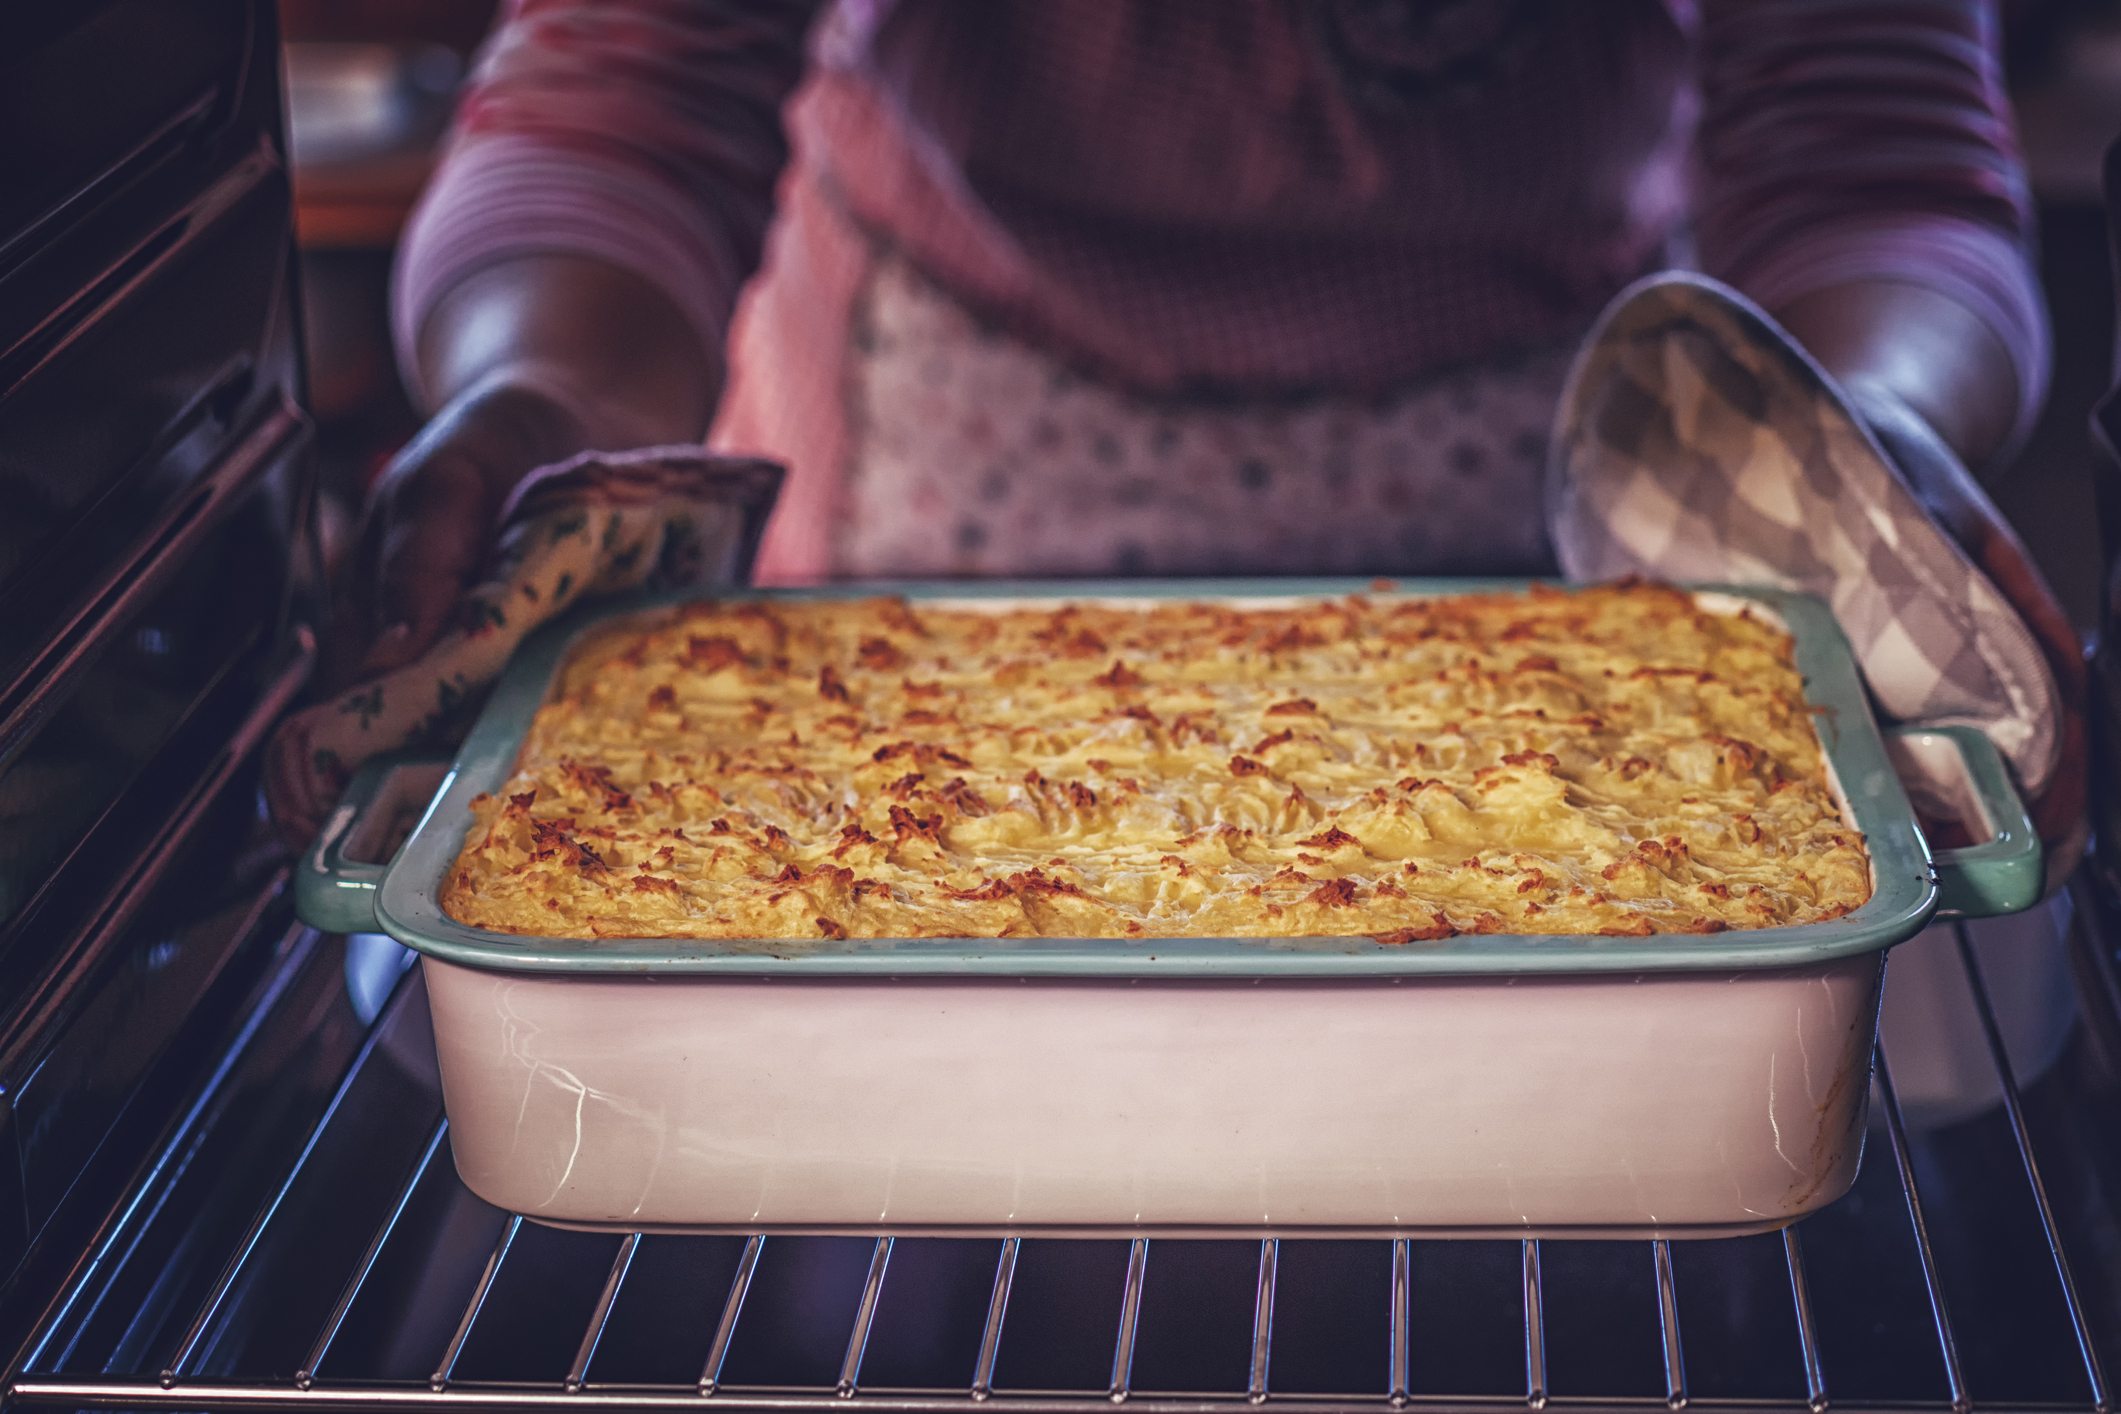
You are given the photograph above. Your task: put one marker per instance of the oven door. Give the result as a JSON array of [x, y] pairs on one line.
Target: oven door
[[153, 494]]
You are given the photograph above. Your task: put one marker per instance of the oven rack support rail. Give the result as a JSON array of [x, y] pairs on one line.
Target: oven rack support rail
[[173, 1385]]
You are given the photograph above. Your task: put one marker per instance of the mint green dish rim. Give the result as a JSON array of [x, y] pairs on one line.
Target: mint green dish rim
[[402, 897]]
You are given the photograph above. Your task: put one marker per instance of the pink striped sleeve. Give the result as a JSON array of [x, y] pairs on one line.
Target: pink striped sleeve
[[646, 133], [1863, 139]]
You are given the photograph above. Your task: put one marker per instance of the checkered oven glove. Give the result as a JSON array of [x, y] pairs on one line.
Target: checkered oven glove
[[597, 525], [1696, 442]]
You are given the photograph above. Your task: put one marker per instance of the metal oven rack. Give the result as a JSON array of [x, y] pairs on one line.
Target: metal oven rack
[[1978, 1263]]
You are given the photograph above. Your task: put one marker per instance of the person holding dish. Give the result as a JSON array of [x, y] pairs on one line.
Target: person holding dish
[[1071, 287]]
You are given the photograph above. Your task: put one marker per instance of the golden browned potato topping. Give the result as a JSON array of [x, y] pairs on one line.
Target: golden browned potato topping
[[1616, 760]]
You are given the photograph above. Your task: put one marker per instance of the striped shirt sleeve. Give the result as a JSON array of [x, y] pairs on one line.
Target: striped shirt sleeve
[[1848, 140], [645, 133]]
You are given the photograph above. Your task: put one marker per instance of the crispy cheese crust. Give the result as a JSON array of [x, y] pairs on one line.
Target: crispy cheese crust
[[1614, 760]]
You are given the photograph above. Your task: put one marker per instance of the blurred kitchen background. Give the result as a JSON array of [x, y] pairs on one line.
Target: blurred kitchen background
[[371, 82]]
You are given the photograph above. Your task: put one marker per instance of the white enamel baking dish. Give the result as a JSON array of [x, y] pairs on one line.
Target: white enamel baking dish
[[1485, 1085]]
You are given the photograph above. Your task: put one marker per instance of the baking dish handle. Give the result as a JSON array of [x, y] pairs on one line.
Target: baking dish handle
[[336, 892], [1959, 772]]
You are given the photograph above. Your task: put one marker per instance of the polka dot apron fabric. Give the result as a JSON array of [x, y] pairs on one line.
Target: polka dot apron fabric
[[975, 454]]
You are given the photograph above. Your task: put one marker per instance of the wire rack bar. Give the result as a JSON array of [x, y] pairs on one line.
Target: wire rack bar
[[747, 1266], [864, 1318], [1535, 1329], [1130, 1319], [321, 1347], [1807, 1330], [204, 1395], [578, 1372], [1402, 1320], [439, 1381], [1263, 1321], [1668, 1324], [2021, 1134], [990, 1336], [217, 1300], [1932, 1285]]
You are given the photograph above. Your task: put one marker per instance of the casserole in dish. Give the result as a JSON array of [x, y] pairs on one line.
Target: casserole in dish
[[1614, 760], [1469, 1081]]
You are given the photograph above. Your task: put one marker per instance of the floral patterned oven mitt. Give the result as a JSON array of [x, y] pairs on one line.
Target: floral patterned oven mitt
[[1697, 442], [596, 525]]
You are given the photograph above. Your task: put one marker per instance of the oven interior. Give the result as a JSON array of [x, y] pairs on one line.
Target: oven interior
[[300, 1238], [224, 1179]]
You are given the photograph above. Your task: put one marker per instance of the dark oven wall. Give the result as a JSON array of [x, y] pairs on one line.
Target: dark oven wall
[[153, 493]]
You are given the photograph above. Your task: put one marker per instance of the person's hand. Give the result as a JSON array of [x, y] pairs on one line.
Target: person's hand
[[1927, 371], [1956, 501], [429, 523], [527, 362]]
